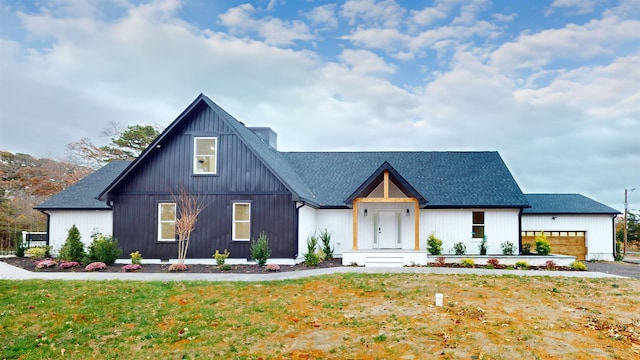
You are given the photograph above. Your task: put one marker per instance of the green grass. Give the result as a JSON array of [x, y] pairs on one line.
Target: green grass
[[352, 315]]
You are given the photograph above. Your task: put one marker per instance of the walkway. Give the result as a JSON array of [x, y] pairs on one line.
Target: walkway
[[9, 272]]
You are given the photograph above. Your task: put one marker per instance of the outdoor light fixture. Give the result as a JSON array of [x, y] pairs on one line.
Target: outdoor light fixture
[[407, 212], [366, 212], [554, 217]]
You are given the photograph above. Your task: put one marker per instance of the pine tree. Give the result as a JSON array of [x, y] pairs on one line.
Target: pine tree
[[73, 248]]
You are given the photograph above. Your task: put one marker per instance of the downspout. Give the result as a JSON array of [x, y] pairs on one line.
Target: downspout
[[520, 231], [295, 256], [48, 224]]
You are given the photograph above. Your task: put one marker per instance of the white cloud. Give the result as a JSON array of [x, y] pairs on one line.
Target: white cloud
[[274, 31], [595, 38], [366, 62], [560, 125], [323, 16], [576, 6], [376, 38], [374, 13]]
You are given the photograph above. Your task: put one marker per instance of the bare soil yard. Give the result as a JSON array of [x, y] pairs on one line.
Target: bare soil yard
[[353, 316]]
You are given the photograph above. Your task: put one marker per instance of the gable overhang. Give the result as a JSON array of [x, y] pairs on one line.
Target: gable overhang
[[383, 175]]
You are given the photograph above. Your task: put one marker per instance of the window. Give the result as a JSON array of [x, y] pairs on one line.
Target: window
[[204, 157], [477, 230], [241, 221], [166, 222]]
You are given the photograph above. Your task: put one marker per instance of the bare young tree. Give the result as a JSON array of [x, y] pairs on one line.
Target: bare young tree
[[188, 208]]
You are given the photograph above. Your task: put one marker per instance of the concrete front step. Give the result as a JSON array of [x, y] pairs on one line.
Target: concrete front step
[[384, 261]]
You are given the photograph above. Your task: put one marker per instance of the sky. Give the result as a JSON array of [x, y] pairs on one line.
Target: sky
[[552, 85]]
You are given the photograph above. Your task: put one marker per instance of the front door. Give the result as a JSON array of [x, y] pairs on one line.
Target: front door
[[387, 230]]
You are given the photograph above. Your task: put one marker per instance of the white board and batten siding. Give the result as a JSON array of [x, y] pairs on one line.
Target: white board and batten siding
[[455, 225], [598, 230], [87, 221], [450, 225], [338, 223]]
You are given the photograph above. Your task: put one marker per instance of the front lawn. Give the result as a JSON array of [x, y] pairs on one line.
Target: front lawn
[[339, 316]]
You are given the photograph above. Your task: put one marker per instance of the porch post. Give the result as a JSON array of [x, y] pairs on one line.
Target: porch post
[[416, 231], [355, 224]]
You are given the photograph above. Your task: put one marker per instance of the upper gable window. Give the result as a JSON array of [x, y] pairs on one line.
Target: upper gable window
[[204, 157]]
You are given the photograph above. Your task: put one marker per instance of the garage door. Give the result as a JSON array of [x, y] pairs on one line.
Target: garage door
[[562, 242]]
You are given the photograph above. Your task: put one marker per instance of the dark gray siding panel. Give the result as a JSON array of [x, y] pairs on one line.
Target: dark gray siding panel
[[276, 215], [241, 175], [169, 167]]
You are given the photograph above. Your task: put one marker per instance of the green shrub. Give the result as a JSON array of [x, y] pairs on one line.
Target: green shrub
[[325, 238], [459, 248], [104, 248], [526, 249], [483, 245], [73, 248], [578, 265], [434, 245], [224, 267], [542, 245], [508, 248], [20, 248], [260, 250], [221, 257], [311, 258], [523, 265], [467, 262], [36, 253], [136, 257]]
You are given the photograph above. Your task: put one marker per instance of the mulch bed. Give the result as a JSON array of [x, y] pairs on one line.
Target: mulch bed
[[30, 264]]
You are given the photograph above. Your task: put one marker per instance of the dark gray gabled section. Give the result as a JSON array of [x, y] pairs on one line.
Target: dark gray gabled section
[[444, 179], [268, 155], [83, 194], [565, 204], [378, 177]]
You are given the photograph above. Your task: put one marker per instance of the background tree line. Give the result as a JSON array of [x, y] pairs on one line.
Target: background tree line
[[27, 181]]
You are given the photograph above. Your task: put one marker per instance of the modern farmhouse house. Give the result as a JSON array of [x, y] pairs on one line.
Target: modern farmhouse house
[[379, 207]]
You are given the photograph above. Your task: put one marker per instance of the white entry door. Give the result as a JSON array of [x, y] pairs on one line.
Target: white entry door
[[387, 231]]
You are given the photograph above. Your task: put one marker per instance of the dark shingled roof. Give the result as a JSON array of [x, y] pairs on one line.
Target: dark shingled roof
[[329, 179], [565, 204], [82, 195], [444, 179]]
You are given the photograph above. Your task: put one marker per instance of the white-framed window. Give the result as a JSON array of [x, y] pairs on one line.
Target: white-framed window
[[166, 221], [205, 151], [241, 230], [477, 228]]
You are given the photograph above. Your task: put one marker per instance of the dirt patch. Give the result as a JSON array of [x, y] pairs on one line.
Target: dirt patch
[[30, 265]]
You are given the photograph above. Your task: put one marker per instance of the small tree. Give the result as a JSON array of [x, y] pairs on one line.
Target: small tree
[[73, 248], [311, 258], [188, 209], [483, 245], [325, 237], [543, 247], [260, 251], [434, 245]]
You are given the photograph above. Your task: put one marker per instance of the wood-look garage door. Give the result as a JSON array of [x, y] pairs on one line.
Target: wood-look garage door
[[562, 242]]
